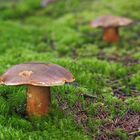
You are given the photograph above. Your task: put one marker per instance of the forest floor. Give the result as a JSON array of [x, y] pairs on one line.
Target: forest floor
[[104, 101]]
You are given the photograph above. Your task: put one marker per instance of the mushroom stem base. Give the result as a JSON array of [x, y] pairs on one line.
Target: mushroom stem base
[[38, 101], [111, 34]]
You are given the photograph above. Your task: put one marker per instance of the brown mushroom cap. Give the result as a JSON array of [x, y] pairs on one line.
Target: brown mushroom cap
[[37, 74], [111, 21]]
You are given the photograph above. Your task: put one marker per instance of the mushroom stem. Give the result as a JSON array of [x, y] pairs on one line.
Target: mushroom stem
[[111, 34], [38, 100]]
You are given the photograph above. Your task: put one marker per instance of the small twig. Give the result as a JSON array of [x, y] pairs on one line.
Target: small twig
[[134, 132], [87, 95]]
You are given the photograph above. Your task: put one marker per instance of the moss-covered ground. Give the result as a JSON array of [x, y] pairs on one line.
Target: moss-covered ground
[[104, 101]]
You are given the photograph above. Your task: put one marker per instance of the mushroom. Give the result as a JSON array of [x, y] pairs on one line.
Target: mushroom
[[44, 3], [110, 25], [38, 77]]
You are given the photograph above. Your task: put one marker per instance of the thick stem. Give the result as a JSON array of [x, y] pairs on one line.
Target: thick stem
[[111, 34], [38, 101]]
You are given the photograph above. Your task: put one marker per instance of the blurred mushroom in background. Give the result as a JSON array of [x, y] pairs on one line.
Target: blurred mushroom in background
[[44, 3], [110, 25]]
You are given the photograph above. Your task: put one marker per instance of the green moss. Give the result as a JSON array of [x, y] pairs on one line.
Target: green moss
[[134, 104], [61, 34], [135, 80], [120, 134], [115, 106], [137, 138]]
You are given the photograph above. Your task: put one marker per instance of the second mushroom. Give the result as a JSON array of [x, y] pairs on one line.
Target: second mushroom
[[38, 77], [110, 25]]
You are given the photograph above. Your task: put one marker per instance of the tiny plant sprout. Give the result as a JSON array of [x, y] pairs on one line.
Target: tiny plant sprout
[[110, 25], [38, 77]]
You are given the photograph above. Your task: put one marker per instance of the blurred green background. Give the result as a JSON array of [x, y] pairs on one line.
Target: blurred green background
[[107, 76]]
